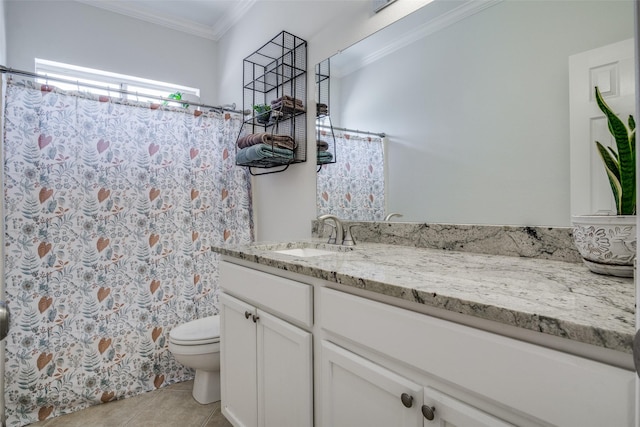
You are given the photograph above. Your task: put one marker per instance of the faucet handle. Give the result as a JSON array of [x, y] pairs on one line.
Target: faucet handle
[[348, 236]]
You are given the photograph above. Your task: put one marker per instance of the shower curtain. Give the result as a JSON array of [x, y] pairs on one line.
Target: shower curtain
[[353, 188], [111, 209]]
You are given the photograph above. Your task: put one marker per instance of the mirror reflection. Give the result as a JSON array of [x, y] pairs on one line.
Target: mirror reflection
[[473, 98]]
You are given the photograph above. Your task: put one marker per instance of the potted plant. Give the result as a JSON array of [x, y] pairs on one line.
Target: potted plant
[[263, 113], [607, 243], [177, 96]]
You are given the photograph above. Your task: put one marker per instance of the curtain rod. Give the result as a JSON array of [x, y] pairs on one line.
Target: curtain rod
[[5, 70], [381, 134]]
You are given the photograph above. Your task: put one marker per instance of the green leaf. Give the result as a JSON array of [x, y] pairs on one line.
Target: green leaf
[[610, 159], [613, 152], [626, 160], [613, 172]]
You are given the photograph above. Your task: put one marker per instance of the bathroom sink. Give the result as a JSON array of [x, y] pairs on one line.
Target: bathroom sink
[[303, 249], [305, 252]]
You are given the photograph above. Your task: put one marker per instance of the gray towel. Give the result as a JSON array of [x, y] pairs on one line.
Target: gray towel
[[324, 157], [280, 141], [262, 152]]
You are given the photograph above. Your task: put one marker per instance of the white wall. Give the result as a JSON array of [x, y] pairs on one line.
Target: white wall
[[75, 33], [285, 202], [478, 113]]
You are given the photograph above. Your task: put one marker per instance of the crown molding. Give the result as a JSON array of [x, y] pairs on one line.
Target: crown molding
[[232, 17], [214, 32], [432, 26]]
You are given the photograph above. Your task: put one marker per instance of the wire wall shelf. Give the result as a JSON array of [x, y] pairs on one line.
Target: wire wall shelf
[[274, 89]]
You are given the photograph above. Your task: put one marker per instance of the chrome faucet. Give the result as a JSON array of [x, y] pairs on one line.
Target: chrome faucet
[[391, 215], [340, 235], [338, 231]]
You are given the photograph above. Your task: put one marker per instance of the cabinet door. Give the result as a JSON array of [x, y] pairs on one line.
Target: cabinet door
[[358, 392], [238, 362], [285, 373], [450, 412]]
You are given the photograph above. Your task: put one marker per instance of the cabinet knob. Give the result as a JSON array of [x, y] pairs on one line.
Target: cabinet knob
[[428, 412], [247, 314], [255, 318], [407, 400]]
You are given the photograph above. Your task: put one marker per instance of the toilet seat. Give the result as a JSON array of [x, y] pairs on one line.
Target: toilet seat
[[197, 332]]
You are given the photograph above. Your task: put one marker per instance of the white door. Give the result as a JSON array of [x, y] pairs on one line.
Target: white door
[[285, 374], [238, 362], [612, 69], [358, 392], [445, 411]]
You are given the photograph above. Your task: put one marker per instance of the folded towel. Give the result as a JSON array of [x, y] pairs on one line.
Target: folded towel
[[281, 141], [322, 145], [324, 157], [322, 109], [287, 98], [263, 151], [287, 106]]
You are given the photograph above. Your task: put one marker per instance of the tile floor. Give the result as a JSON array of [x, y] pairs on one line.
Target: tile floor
[[171, 406]]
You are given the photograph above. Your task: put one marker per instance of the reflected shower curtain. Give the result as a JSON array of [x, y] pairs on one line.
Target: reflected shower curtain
[[353, 188], [111, 209]]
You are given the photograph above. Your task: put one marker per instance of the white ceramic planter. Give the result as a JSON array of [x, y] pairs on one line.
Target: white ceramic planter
[[607, 243]]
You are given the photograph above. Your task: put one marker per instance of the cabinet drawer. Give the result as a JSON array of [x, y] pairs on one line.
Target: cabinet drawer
[[285, 298], [556, 387]]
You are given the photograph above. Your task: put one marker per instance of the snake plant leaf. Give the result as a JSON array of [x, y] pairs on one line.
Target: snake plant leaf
[[632, 123], [613, 153], [612, 168], [610, 159], [623, 184], [632, 140]]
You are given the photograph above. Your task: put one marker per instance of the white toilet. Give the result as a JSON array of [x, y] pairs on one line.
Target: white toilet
[[196, 345]]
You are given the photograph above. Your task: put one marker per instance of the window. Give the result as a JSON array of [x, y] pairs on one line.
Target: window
[[109, 82]]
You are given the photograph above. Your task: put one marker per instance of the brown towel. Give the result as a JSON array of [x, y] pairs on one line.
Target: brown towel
[[322, 110], [287, 98], [281, 141], [322, 145], [287, 107]]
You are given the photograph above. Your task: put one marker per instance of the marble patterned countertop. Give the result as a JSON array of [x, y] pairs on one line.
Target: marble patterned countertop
[[554, 297]]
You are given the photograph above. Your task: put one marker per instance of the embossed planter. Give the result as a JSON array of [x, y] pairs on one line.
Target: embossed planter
[[607, 243]]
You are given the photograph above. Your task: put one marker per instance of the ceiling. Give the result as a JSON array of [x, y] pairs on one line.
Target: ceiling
[[204, 18]]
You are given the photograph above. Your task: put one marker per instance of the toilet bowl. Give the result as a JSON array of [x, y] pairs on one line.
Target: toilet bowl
[[196, 345]]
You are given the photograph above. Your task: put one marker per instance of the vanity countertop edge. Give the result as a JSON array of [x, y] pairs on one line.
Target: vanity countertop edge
[[557, 298]]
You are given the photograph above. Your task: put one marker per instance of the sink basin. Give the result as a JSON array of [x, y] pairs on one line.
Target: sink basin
[[305, 252], [303, 249]]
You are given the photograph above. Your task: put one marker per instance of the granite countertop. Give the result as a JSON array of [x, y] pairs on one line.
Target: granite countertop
[[558, 298]]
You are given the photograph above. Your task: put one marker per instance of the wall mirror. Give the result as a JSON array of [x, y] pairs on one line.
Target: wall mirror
[[474, 100]]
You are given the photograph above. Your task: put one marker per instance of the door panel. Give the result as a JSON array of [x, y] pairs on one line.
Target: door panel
[[238, 362], [358, 392], [285, 377], [450, 412]]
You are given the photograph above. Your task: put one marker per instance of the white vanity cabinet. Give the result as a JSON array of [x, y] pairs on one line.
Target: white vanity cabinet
[[266, 361], [374, 353], [296, 355], [357, 391]]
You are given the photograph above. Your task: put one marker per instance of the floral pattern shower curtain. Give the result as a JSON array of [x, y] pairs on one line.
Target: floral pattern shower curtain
[[111, 209], [353, 187]]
